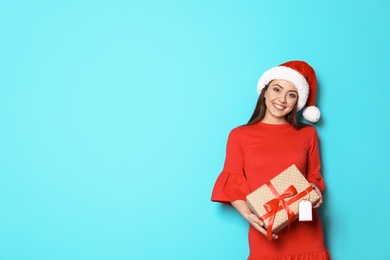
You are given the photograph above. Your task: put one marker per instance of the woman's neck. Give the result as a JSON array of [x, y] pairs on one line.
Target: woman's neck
[[274, 120]]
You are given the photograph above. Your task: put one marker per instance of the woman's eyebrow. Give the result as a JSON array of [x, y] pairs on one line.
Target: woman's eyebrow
[[276, 84]]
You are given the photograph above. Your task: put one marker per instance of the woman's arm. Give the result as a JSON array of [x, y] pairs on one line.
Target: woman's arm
[[242, 207]]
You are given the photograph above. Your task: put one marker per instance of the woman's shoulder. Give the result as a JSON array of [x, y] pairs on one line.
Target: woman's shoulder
[[308, 129], [237, 130], [243, 128], [241, 131]]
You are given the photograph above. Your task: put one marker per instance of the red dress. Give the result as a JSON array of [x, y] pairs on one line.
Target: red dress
[[257, 153]]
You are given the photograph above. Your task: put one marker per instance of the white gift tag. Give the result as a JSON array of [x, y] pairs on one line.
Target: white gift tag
[[305, 210]]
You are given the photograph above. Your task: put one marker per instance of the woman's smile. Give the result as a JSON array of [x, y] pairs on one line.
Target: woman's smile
[[279, 107]]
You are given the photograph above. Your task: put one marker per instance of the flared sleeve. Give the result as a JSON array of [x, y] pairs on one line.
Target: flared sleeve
[[231, 183], [314, 163]]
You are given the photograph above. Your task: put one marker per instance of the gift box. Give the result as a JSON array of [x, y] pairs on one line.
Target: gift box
[[276, 203]]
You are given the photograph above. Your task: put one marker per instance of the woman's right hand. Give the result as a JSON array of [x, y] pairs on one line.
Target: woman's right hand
[[258, 224], [242, 207]]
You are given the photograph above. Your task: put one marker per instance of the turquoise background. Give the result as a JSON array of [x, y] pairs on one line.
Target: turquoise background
[[114, 117]]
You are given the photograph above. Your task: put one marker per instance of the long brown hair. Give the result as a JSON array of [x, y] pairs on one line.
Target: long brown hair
[[260, 109]]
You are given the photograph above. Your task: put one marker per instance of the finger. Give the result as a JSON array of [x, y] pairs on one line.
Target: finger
[[316, 189], [259, 226], [318, 203], [259, 222], [319, 193], [256, 220], [262, 230]]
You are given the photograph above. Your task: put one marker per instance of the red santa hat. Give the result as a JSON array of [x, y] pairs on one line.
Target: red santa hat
[[303, 77]]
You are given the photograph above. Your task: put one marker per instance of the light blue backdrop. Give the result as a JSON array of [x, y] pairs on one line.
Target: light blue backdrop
[[114, 117]]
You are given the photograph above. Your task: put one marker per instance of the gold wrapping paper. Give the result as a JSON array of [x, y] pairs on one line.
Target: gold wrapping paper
[[259, 197]]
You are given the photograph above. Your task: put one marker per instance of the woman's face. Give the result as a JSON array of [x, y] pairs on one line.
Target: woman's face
[[280, 98]]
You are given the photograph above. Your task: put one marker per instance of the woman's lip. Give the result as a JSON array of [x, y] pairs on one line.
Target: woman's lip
[[279, 106]]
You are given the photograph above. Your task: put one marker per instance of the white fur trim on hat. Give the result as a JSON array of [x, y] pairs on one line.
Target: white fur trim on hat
[[312, 114], [291, 75]]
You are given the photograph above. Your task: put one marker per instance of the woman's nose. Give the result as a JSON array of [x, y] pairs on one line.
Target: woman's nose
[[282, 98]]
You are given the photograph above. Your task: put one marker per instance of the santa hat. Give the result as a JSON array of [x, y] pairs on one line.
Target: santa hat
[[303, 77]]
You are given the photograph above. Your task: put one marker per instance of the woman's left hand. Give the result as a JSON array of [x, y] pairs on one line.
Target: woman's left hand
[[318, 204]]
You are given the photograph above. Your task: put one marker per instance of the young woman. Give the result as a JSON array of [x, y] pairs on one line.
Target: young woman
[[270, 142]]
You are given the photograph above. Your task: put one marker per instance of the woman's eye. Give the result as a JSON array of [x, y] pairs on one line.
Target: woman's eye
[[276, 89], [293, 96]]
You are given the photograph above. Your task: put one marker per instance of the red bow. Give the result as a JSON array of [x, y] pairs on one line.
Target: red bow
[[272, 206]]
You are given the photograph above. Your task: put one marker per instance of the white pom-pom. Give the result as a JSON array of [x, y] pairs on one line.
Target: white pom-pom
[[312, 114]]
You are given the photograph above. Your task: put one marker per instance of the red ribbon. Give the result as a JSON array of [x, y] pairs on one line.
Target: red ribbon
[[273, 205], [290, 201]]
